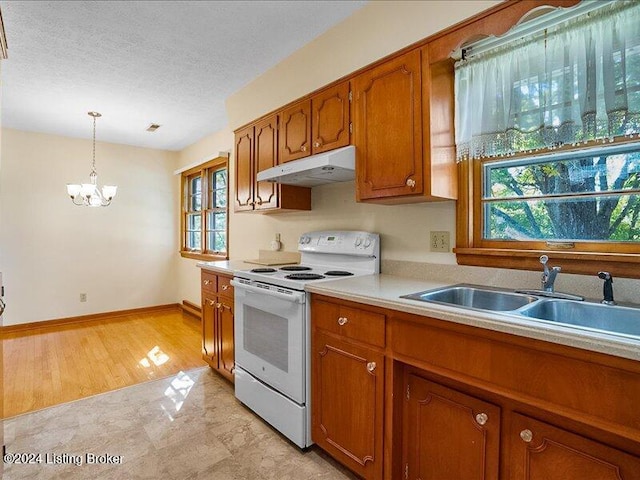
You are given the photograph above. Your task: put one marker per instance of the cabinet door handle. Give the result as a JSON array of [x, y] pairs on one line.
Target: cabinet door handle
[[371, 366], [317, 144], [526, 435], [207, 282], [259, 201], [303, 148], [218, 305], [411, 183], [252, 203], [225, 287], [342, 321], [482, 418], [211, 302]]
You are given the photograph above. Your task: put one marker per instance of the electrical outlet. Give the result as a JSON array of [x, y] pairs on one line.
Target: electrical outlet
[[83, 297], [439, 242]]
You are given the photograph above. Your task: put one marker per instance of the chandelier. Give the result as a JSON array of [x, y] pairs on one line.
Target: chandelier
[[88, 194]]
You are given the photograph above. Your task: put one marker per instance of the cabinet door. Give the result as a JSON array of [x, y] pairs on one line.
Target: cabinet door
[[540, 451], [209, 338], [244, 170], [388, 129], [226, 358], [330, 118], [266, 156], [449, 434], [295, 132], [347, 404]]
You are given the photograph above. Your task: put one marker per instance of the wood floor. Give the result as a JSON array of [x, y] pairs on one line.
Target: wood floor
[[48, 366]]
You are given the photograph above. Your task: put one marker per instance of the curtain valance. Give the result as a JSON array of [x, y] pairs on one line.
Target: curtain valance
[[577, 82]]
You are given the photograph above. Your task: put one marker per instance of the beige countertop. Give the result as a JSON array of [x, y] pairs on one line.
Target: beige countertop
[[385, 291], [225, 267]]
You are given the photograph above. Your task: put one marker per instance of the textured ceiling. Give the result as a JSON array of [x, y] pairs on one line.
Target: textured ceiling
[[140, 62]]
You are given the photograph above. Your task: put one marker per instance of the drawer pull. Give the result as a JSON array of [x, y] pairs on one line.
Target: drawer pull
[[342, 321], [225, 287], [371, 366], [526, 435], [211, 302], [482, 418], [207, 282]]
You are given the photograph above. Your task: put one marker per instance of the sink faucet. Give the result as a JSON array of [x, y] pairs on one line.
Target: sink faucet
[[607, 288], [548, 276]]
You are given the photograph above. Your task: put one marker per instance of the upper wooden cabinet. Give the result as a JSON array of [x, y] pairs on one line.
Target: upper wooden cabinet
[[244, 178], [266, 155], [388, 129], [315, 125], [295, 137], [330, 118], [393, 131], [257, 150]]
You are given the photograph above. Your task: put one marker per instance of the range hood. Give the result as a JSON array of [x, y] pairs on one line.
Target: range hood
[[333, 166]]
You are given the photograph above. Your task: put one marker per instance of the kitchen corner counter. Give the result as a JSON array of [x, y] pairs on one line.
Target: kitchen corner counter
[[385, 291], [225, 267]]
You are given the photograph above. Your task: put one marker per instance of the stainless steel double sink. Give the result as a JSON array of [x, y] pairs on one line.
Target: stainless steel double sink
[[614, 319]]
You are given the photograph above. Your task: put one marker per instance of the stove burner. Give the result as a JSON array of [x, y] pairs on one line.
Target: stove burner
[[263, 270], [304, 276], [338, 273], [295, 268]]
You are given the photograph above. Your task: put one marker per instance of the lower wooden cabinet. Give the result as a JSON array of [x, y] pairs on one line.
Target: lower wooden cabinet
[[448, 435], [454, 402], [226, 359], [217, 323], [209, 332], [348, 400], [540, 451]]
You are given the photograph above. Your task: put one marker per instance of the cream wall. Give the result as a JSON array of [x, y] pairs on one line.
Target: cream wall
[[122, 256], [376, 30]]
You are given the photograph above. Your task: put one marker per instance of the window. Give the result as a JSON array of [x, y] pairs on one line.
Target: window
[[204, 210], [591, 195], [546, 136]]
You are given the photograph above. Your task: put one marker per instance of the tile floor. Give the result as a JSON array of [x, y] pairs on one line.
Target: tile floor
[[189, 426]]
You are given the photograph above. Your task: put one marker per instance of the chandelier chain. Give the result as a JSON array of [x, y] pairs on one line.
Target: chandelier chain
[[93, 164]]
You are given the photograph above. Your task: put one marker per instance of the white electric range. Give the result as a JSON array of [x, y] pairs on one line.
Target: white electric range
[[272, 325]]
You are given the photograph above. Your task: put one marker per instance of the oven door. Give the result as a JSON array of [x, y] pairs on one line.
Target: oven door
[[270, 336]]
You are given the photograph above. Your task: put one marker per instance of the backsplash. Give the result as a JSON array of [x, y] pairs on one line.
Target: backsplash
[[589, 286]]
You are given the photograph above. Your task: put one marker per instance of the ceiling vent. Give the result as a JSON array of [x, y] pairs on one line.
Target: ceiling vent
[[153, 127]]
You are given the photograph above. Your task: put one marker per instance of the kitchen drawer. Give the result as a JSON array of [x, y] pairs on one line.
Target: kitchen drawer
[[225, 289], [208, 282], [352, 323]]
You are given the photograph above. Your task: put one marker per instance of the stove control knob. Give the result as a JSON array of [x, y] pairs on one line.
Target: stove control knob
[[358, 241], [307, 239], [367, 242]]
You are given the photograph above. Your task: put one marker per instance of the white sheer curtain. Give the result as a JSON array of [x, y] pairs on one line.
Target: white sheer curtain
[[575, 83]]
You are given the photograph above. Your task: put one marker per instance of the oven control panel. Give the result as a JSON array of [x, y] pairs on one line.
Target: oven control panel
[[340, 242]]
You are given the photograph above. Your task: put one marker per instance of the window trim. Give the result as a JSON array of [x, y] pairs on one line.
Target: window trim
[[619, 258], [203, 170]]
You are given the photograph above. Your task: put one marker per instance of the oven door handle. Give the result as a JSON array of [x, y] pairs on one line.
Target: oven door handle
[[293, 297]]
